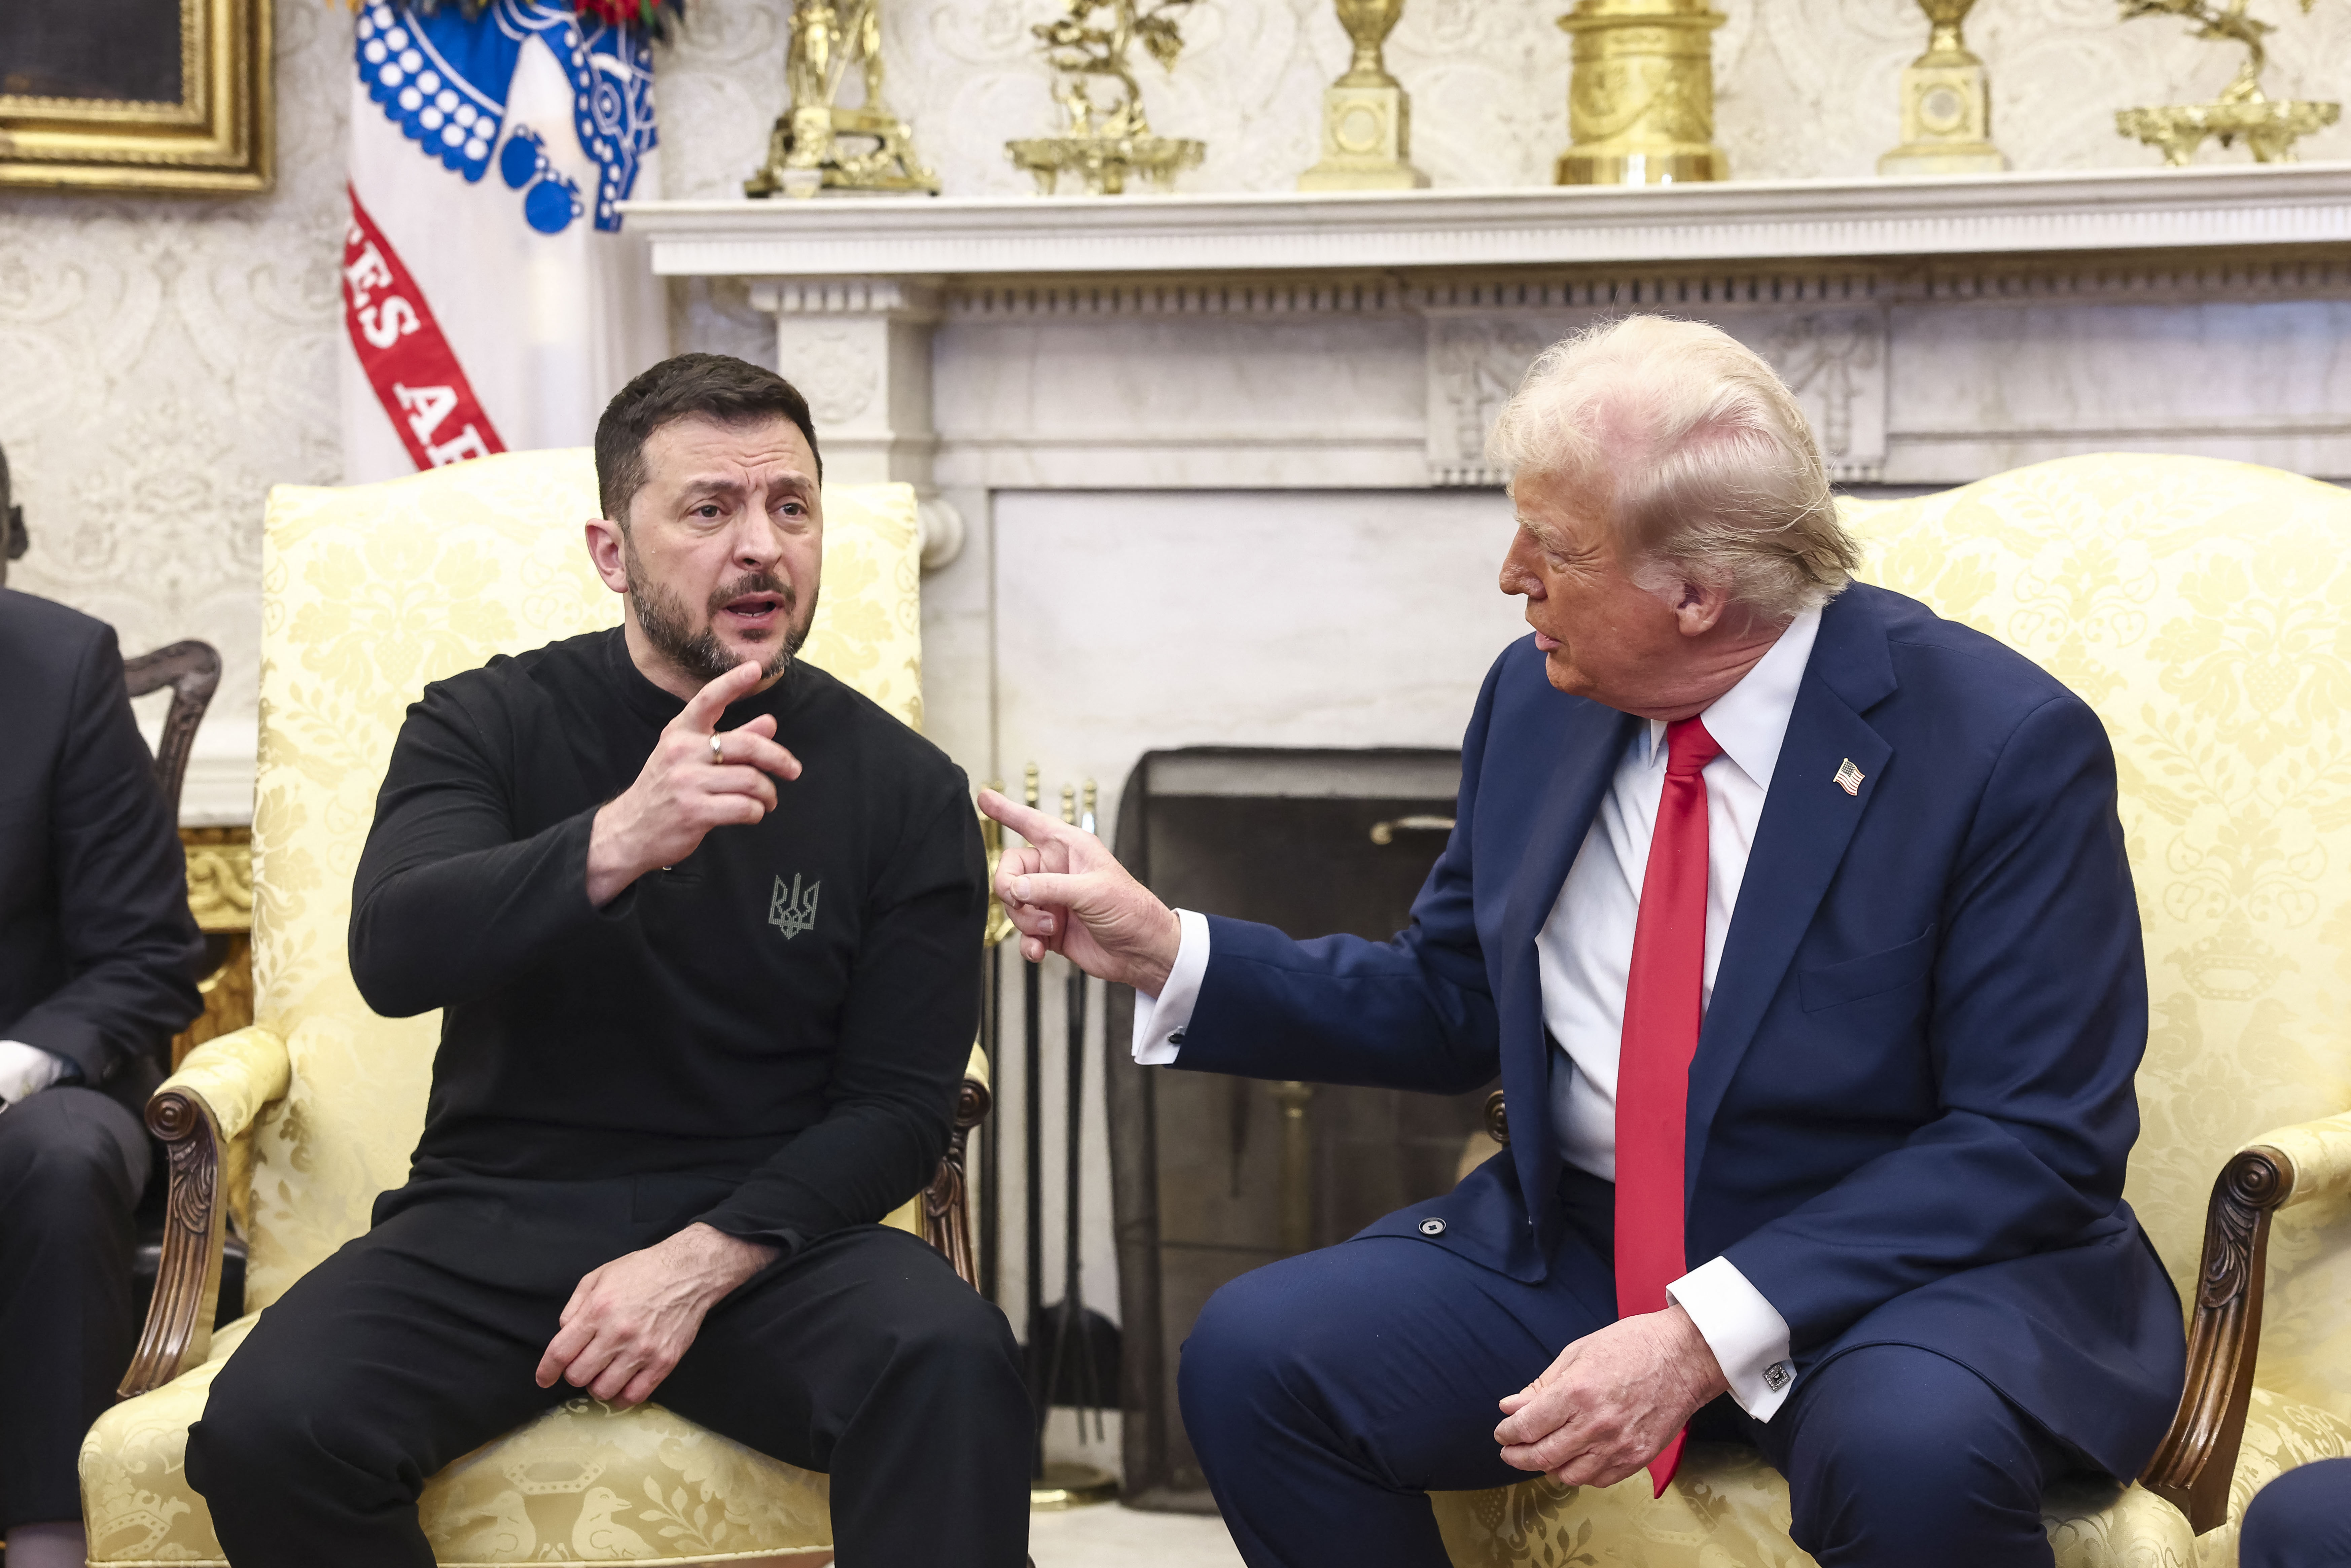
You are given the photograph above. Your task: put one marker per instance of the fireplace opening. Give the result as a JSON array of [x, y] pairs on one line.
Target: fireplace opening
[[1214, 1175]]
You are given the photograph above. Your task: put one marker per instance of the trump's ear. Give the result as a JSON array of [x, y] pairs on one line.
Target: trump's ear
[[607, 549]]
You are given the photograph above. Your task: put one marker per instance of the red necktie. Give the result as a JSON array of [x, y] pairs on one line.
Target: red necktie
[[1663, 1011]]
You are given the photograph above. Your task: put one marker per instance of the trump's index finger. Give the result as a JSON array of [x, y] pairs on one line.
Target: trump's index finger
[[1026, 820]]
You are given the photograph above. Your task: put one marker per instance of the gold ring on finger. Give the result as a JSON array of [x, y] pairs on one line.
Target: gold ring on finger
[[717, 752]]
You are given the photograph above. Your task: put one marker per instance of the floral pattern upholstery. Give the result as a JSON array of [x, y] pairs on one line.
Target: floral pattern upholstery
[[368, 592], [2203, 608]]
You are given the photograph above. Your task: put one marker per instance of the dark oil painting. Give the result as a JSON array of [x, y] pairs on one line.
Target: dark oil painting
[[126, 51]]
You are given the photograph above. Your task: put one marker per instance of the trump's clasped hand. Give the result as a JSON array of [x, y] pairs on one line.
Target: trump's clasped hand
[[1612, 1401]]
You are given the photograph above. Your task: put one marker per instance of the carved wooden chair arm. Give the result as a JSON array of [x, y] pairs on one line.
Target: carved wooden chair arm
[[202, 1112], [947, 1202], [2292, 1165]]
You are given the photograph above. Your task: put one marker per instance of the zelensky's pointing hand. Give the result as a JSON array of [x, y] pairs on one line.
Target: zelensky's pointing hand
[[697, 779]]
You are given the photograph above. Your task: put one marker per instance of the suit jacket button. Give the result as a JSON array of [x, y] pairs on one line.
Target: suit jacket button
[[1432, 1227]]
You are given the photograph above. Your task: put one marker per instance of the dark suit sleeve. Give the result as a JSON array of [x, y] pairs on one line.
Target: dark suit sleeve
[[906, 1031], [448, 903], [2038, 1022], [1414, 1012], [132, 951]]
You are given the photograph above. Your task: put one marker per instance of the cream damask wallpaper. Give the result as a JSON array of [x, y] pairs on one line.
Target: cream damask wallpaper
[[163, 361]]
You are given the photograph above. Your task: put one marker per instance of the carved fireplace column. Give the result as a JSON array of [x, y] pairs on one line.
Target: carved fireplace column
[[860, 349]]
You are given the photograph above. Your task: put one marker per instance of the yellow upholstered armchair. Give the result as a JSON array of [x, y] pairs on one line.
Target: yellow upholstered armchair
[[294, 1126], [2204, 609]]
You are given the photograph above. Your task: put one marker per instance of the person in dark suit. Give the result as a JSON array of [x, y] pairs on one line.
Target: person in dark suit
[[2302, 1520], [1797, 923], [99, 963]]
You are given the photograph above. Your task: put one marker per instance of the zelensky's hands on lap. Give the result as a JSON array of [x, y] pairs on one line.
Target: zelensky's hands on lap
[[1612, 1401], [628, 1322], [1067, 895], [688, 787]]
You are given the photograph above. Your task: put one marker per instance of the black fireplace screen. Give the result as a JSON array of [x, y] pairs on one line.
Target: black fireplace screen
[[1214, 1176]]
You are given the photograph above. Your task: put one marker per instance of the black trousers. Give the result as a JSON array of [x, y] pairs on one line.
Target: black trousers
[[861, 1355], [72, 1164], [1327, 1394]]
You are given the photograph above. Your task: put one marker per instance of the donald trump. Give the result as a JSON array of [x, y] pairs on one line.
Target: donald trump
[[1796, 922]]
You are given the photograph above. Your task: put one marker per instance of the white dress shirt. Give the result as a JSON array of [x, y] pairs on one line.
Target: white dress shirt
[[1584, 955], [25, 1070]]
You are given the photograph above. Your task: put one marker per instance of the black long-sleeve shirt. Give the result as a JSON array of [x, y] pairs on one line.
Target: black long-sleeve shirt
[[99, 955], [790, 1006]]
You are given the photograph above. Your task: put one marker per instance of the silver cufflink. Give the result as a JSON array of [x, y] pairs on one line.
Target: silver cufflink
[[1775, 1376]]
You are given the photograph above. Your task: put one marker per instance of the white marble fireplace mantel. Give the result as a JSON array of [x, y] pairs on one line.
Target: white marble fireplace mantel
[[1980, 215], [1937, 330]]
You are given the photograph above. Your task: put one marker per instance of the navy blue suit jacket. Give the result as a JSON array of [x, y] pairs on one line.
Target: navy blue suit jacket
[[1911, 1104]]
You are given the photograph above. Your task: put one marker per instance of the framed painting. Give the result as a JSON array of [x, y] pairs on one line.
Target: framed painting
[[135, 95]]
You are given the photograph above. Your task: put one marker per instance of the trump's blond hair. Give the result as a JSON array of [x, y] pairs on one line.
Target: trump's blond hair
[[1696, 453]]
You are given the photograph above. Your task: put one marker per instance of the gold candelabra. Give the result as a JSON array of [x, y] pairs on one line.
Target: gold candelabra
[[1945, 104], [820, 143], [1108, 136], [1366, 118], [2269, 126], [1640, 101]]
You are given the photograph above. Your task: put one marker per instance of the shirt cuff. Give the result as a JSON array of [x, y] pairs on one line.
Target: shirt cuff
[[1160, 1021], [1746, 1332], [27, 1070]]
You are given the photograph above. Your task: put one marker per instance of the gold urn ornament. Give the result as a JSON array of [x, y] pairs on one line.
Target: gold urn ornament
[[2270, 126], [1945, 104], [1366, 118], [1640, 99]]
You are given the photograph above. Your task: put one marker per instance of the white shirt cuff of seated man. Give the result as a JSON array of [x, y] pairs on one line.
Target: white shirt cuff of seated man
[[27, 1070], [1160, 1021], [1746, 1332]]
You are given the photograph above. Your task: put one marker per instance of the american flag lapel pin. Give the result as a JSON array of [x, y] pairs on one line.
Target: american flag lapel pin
[[1848, 778]]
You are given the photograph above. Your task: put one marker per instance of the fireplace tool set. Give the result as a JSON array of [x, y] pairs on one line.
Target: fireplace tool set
[[1072, 1349]]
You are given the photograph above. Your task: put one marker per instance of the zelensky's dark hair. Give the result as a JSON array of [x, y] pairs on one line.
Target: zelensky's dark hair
[[708, 386]]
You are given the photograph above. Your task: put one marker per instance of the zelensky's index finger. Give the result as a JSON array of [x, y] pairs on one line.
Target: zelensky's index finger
[[1029, 823], [702, 708]]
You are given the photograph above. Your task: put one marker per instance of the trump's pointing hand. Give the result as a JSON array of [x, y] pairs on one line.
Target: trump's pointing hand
[[1067, 895]]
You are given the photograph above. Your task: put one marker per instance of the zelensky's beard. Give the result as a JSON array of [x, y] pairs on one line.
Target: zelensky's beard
[[661, 616]]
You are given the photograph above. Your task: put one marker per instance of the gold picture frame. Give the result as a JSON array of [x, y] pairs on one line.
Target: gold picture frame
[[112, 125]]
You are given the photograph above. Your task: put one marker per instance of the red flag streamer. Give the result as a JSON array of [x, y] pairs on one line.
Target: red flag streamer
[[414, 371]]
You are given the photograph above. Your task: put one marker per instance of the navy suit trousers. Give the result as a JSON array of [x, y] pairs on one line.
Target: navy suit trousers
[[2302, 1520], [1327, 1393]]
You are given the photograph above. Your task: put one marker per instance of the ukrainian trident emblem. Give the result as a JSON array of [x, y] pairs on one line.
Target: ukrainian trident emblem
[[790, 910]]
